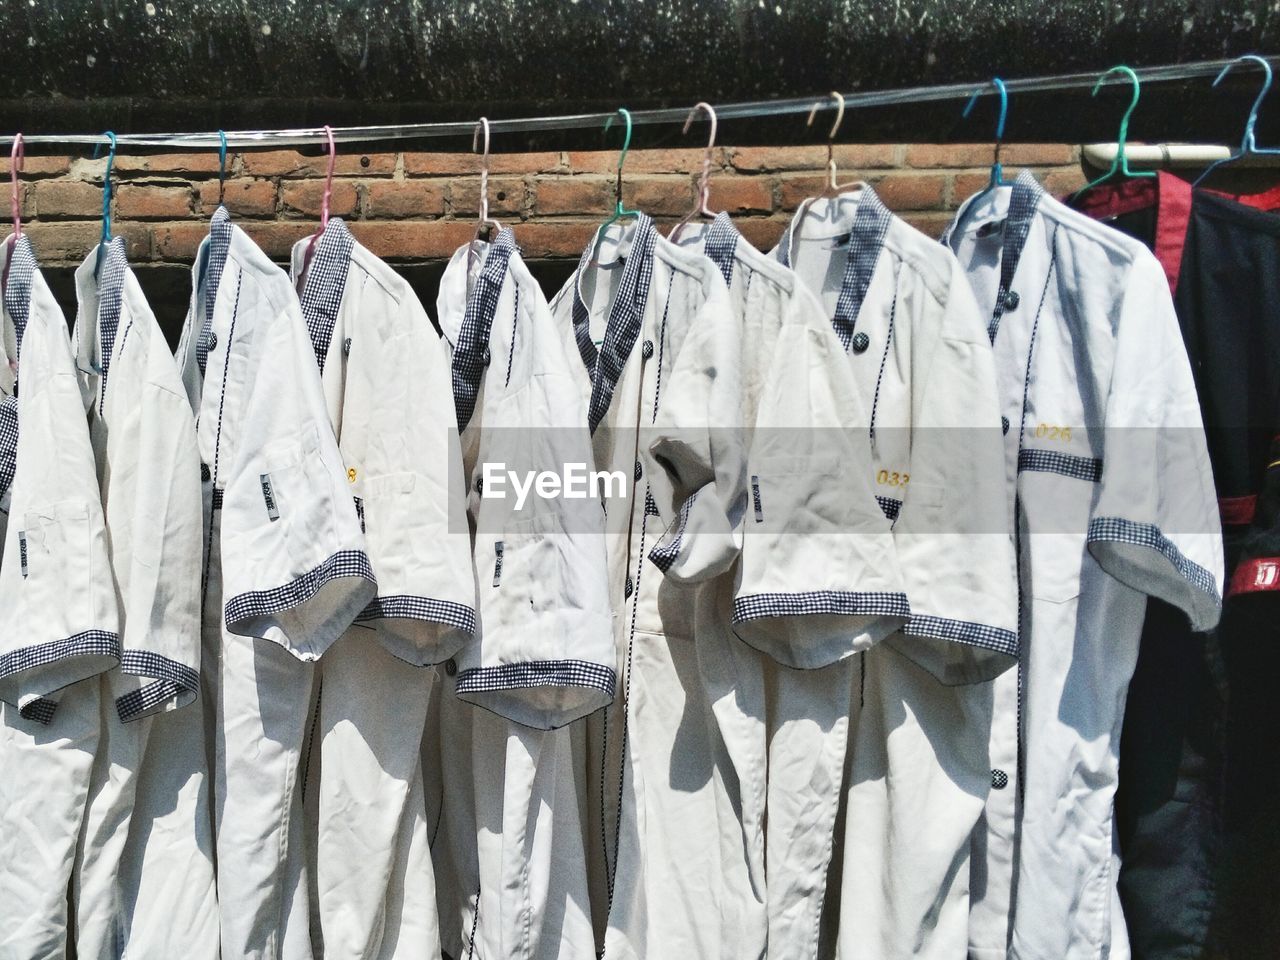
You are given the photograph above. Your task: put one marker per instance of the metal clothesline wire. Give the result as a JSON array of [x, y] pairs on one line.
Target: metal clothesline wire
[[674, 115]]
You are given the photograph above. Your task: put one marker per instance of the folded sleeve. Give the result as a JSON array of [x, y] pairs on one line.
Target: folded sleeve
[[59, 617], [819, 577], [954, 526], [1155, 523], [695, 449], [295, 569], [412, 497]]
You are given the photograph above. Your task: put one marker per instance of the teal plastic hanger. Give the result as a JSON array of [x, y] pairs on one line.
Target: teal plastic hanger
[[1249, 144], [106, 201], [1120, 162], [997, 169], [222, 166], [619, 211]]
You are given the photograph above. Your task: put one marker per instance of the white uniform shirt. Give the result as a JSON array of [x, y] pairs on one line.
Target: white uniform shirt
[[917, 768], [285, 574], [1108, 471], [544, 654]]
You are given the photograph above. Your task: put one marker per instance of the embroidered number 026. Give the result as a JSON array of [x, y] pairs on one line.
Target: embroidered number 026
[[1048, 431], [892, 478]]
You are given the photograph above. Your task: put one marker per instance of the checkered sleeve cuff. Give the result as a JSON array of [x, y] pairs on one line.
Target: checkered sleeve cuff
[[1202, 602], [846, 603], [409, 607], [170, 684], [667, 550], [45, 667], [984, 636], [268, 603], [543, 694]]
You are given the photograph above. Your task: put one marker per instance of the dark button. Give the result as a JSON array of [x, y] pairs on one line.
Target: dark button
[[450, 666], [1004, 424], [1011, 300], [646, 349], [639, 471], [205, 475], [211, 341], [999, 779], [860, 342], [627, 592], [346, 347], [479, 484], [484, 357]]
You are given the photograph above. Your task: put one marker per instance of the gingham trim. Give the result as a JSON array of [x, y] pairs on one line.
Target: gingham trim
[[469, 356], [8, 442], [1069, 465], [889, 506], [171, 680], [17, 295], [847, 603], [326, 281], [667, 550], [721, 244], [962, 631], [1024, 197], [87, 643], [266, 603], [409, 607], [538, 673], [110, 295], [1118, 530], [218, 494], [219, 247], [40, 710], [626, 317], [866, 238]]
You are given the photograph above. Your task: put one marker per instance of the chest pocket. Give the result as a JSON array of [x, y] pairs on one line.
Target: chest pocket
[[54, 552], [526, 574]]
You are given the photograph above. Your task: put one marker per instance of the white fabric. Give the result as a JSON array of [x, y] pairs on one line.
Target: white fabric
[[1093, 348]]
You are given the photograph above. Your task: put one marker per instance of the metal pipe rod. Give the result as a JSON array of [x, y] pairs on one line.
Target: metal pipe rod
[[673, 115]]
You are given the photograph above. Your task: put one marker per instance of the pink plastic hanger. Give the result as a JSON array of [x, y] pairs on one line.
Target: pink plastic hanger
[[17, 159], [700, 208], [324, 208]]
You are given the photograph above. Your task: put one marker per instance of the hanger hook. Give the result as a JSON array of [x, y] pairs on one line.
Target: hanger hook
[[1249, 144], [997, 171], [835, 127], [222, 166], [106, 184], [622, 157], [328, 179], [1122, 158], [482, 125], [17, 160], [704, 181]]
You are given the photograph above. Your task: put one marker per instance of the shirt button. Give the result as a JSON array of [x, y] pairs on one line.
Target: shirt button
[[999, 779], [1004, 424], [211, 341], [1011, 300], [639, 471], [484, 357], [646, 349], [627, 593], [860, 342], [346, 347], [479, 484], [351, 474], [205, 475], [451, 666]]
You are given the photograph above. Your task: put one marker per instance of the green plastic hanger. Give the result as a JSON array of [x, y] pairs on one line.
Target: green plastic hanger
[[1120, 162], [619, 211]]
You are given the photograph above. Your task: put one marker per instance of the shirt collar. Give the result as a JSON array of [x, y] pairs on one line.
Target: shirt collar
[[626, 316], [215, 254], [104, 293], [471, 352], [720, 243], [17, 292], [326, 281]]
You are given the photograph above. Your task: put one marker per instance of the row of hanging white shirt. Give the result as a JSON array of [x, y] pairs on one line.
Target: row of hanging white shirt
[[286, 561]]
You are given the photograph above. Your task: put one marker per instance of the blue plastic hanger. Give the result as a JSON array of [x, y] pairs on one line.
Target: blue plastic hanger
[[222, 166], [1248, 145], [619, 211], [997, 169], [1120, 162], [106, 200]]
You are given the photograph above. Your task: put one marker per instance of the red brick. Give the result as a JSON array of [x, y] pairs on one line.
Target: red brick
[[291, 163], [38, 166], [813, 157], [794, 190], [564, 238], [203, 162], [965, 185], [276, 238], [1038, 154], [456, 164], [741, 194], [506, 196], [64, 198], [397, 200], [243, 197], [659, 196], [178, 241], [911, 191], [1063, 181], [925, 155], [134, 202], [930, 224], [762, 233], [644, 161], [414, 239], [71, 242], [304, 198], [591, 195]]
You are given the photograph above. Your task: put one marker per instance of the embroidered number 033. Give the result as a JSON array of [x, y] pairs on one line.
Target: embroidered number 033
[[892, 478]]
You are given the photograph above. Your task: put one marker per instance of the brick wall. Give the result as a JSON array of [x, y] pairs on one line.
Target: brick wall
[[416, 208]]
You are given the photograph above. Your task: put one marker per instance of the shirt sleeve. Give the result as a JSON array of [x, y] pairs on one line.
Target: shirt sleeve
[[695, 449], [1155, 523], [295, 570], [412, 496], [819, 577], [58, 611], [954, 528]]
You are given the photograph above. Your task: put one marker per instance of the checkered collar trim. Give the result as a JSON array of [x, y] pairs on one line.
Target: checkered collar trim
[[626, 317], [471, 354], [110, 296], [17, 294], [219, 247], [1024, 198], [721, 244], [326, 281]]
